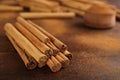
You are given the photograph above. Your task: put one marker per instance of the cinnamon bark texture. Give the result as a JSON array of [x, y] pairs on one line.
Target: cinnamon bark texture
[[35, 15], [10, 8]]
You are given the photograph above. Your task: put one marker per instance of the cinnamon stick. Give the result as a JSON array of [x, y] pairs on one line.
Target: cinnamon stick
[[76, 5], [54, 64], [68, 54], [8, 2], [28, 60], [53, 47], [78, 12], [60, 45], [47, 3], [37, 15], [24, 3], [57, 64], [10, 8], [39, 9], [36, 42], [66, 61], [32, 29], [26, 44]]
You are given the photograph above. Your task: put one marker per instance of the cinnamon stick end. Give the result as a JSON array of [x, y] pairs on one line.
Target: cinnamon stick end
[[31, 65], [42, 61]]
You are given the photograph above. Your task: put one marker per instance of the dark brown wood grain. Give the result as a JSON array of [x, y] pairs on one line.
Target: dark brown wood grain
[[89, 62]]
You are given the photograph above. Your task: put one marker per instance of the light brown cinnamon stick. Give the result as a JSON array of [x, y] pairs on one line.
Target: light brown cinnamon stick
[[78, 12], [32, 29], [40, 45], [60, 45], [57, 64], [39, 9], [47, 3], [51, 45], [8, 2], [29, 61], [26, 44], [65, 61], [76, 5], [54, 64], [37, 15], [68, 54], [24, 3], [10, 8]]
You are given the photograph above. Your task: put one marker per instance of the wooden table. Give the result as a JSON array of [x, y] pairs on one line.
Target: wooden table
[[97, 58]]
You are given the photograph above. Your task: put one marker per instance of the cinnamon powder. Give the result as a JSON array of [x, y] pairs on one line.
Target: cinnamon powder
[[101, 42]]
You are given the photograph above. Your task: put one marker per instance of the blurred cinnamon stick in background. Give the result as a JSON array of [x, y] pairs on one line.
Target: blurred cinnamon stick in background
[[37, 15], [10, 8]]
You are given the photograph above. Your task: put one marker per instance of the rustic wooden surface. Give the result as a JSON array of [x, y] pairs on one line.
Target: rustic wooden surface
[[90, 62]]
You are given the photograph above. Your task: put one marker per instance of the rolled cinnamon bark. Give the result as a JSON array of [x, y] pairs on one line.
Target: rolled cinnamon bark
[[51, 45], [65, 61], [78, 12], [8, 2], [39, 9], [24, 3], [26, 44], [76, 5], [96, 2], [37, 15], [40, 45], [65, 58], [54, 65], [46, 3], [10, 8], [60, 45], [33, 30], [68, 54], [28, 60]]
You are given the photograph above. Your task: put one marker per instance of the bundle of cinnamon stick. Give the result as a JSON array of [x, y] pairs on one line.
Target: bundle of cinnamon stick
[[37, 47]]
